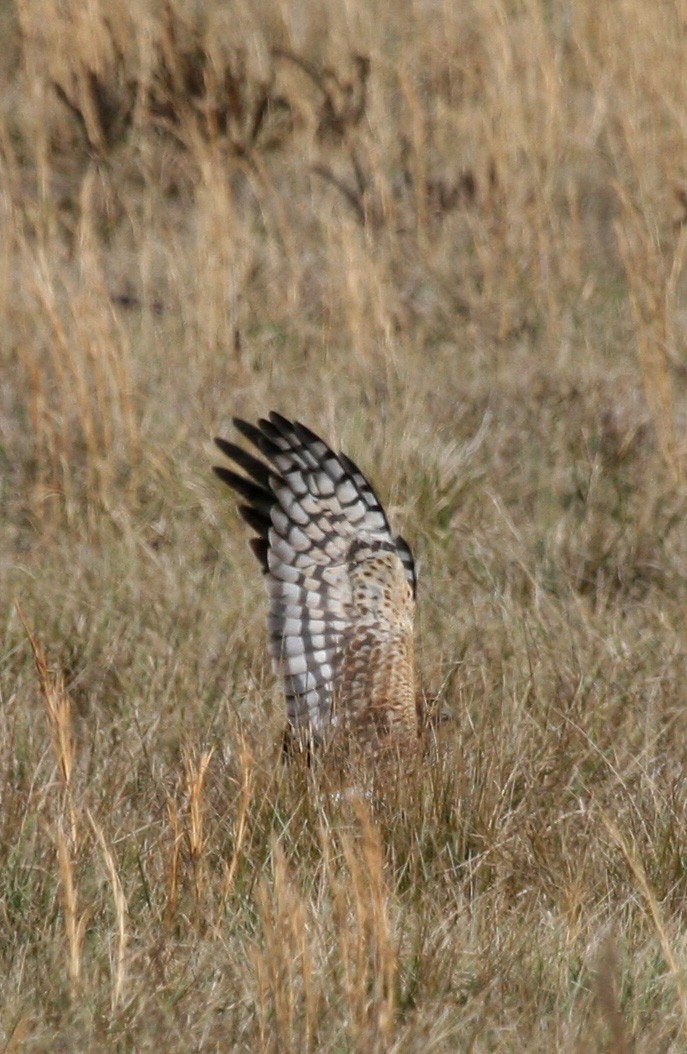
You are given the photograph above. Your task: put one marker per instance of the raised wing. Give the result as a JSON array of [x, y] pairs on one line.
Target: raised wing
[[320, 533]]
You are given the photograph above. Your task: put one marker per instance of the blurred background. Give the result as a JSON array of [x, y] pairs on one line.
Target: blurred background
[[450, 239]]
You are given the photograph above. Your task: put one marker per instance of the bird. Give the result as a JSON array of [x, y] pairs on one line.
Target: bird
[[341, 587]]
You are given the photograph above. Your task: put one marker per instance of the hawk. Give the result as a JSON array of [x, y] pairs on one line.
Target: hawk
[[341, 587]]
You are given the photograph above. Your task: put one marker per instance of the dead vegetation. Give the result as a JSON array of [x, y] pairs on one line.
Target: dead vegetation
[[450, 239]]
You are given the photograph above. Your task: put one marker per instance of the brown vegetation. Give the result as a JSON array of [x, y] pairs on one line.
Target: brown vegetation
[[450, 238]]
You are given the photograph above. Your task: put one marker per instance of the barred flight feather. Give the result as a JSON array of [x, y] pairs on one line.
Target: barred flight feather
[[341, 586]]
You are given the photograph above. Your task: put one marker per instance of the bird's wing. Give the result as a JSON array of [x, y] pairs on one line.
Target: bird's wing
[[314, 515]]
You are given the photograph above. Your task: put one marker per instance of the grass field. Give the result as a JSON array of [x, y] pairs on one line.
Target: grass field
[[450, 238]]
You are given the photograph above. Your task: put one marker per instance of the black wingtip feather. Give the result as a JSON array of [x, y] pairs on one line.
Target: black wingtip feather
[[252, 466], [260, 547], [306, 435], [270, 431], [281, 422], [249, 431], [256, 519], [259, 436], [259, 498], [224, 445]]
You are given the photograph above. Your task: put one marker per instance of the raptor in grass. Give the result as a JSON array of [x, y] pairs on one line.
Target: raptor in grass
[[341, 587]]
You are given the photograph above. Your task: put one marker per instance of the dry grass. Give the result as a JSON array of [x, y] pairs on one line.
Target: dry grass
[[451, 239]]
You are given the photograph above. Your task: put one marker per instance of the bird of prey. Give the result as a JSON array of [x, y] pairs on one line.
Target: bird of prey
[[341, 587]]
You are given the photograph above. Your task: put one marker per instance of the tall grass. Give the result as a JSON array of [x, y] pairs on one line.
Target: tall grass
[[451, 239]]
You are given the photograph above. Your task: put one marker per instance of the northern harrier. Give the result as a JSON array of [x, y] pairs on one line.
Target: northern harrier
[[341, 586]]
